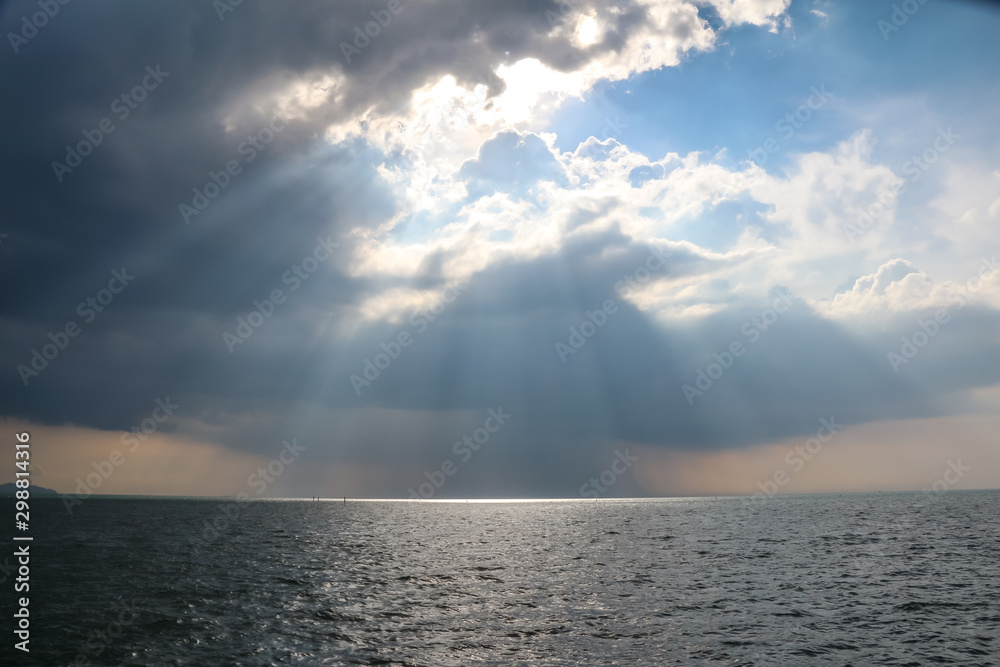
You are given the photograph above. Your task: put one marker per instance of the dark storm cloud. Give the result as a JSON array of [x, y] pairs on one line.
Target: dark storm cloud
[[119, 207], [626, 381], [122, 201]]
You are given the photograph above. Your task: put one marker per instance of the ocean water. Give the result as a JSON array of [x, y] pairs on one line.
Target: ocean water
[[880, 579]]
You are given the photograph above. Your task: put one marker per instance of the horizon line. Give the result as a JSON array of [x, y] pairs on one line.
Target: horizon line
[[342, 499]]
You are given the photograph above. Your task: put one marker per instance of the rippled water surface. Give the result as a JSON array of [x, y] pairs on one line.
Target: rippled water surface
[[881, 579]]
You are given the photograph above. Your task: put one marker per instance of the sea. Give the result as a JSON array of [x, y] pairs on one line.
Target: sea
[[902, 579]]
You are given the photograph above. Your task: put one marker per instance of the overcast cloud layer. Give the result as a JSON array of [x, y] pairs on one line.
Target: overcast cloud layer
[[683, 225]]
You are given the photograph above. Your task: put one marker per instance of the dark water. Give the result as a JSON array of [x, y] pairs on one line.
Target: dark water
[[885, 579]]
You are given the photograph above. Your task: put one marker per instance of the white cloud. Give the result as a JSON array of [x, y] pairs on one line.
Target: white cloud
[[897, 286], [447, 121], [968, 207], [824, 193], [755, 12]]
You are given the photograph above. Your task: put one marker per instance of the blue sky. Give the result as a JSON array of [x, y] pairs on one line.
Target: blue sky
[[485, 210], [727, 102], [732, 96]]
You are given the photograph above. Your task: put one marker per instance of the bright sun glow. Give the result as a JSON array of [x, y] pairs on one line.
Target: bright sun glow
[[587, 31]]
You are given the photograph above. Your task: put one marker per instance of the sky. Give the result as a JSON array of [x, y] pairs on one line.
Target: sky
[[440, 249]]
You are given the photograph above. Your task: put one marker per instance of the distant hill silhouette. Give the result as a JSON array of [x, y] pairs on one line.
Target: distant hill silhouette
[[9, 488]]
